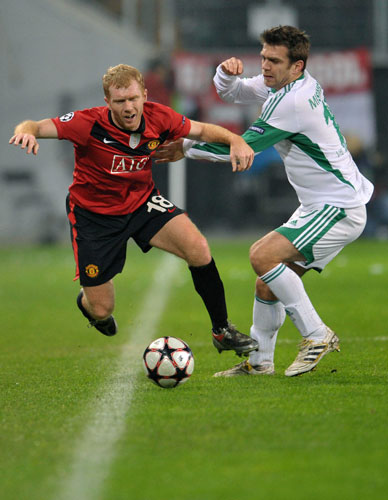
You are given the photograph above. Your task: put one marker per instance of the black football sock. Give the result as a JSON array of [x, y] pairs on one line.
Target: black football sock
[[209, 286]]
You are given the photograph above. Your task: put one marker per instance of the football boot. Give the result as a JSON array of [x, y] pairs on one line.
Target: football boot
[[230, 339], [311, 352], [245, 368]]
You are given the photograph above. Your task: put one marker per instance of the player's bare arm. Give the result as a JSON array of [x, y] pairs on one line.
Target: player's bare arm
[[241, 155], [26, 134], [232, 66]]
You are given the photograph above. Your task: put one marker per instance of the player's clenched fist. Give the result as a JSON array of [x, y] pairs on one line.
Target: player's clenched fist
[[232, 66]]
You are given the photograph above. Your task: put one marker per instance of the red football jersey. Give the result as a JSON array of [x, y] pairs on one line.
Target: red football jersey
[[113, 167]]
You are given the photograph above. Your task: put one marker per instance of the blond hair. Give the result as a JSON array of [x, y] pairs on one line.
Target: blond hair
[[121, 76]]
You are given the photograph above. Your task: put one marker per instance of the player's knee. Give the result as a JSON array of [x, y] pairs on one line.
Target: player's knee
[[198, 252], [256, 257], [263, 257]]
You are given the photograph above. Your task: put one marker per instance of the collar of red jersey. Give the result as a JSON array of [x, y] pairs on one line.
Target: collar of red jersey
[[140, 130]]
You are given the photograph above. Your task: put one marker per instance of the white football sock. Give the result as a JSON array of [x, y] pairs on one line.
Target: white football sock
[[268, 317], [289, 289]]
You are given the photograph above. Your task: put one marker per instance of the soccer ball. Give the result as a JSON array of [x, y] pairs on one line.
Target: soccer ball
[[168, 362]]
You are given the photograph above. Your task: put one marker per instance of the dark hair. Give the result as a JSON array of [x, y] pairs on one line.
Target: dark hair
[[295, 40]]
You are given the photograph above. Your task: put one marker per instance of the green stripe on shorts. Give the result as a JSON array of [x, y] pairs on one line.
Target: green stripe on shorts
[[305, 237]]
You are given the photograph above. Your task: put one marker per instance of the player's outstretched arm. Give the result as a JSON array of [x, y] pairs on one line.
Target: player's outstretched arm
[[241, 155], [259, 137], [26, 134]]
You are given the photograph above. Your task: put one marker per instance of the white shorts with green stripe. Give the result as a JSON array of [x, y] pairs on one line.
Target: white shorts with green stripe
[[321, 234]]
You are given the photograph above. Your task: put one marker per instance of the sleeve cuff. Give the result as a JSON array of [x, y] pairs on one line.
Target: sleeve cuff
[[187, 144]]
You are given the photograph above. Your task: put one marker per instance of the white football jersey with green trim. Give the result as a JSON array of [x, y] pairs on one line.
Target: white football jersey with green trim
[[297, 121]]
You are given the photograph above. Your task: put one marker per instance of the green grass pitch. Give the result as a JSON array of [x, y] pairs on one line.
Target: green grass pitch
[[323, 435]]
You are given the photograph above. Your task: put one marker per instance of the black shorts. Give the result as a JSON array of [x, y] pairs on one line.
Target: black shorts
[[100, 241]]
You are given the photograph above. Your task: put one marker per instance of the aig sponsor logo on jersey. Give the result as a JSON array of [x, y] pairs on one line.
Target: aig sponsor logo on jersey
[[259, 130], [124, 164]]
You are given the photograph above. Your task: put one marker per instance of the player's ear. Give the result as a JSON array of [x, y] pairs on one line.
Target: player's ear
[[107, 102], [299, 66], [145, 94]]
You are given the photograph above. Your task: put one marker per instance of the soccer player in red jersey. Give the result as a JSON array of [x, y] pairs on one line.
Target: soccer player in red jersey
[[113, 196]]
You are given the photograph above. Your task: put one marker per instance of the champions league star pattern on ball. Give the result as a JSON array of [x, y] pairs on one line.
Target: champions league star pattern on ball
[[168, 362]]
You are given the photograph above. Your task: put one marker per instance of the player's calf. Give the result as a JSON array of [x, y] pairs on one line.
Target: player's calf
[[106, 326]]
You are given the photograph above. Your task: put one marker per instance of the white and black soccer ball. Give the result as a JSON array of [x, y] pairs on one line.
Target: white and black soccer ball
[[168, 362]]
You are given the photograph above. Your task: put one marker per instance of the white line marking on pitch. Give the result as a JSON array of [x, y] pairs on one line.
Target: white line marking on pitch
[[95, 449]]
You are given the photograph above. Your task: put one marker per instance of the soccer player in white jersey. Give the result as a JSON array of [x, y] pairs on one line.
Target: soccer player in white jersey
[[297, 121]]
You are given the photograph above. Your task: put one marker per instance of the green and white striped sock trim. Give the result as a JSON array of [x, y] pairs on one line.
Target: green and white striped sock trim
[[273, 273], [268, 302]]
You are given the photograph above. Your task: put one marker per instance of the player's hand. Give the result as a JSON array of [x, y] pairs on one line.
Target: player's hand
[[25, 141], [232, 66], [172, 151], [241, 155]]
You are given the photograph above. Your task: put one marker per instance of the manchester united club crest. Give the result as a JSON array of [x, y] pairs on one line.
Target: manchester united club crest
[[92, 270], [153, 144], [134, 140]]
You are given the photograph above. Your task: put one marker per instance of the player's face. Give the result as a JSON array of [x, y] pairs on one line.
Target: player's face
[[126, 105], [276, 67]]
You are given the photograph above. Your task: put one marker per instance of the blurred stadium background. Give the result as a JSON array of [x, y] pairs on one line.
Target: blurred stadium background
[[54, 52]]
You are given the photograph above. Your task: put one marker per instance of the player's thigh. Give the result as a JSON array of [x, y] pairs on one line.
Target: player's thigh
[[99, 244], [270, 250], [181, 237]]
